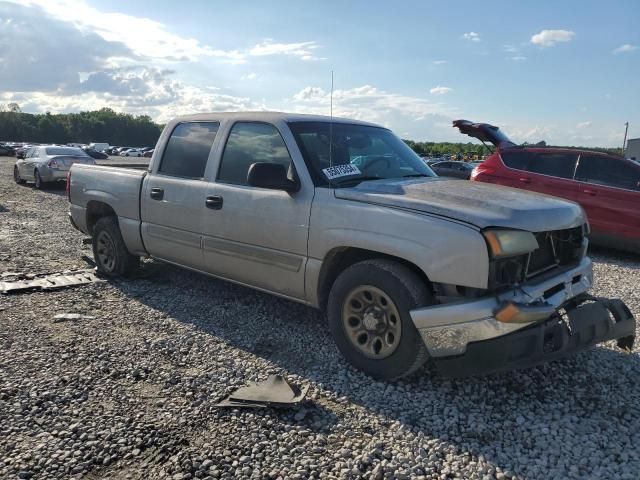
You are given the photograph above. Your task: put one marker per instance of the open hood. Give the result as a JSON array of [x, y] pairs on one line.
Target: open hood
[[484, 132]]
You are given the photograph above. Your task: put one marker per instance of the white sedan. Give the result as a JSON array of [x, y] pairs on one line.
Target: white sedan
[[132, 152], [50, 163]]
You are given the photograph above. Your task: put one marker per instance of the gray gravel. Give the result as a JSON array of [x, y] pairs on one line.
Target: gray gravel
[[131, 392]]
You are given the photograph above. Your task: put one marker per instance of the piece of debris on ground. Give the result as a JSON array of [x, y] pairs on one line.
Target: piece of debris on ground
[[275, 391], [22, 283]]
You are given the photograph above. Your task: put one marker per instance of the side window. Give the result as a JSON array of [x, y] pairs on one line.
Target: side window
[[250, 143], [553, 164], [608, 171], [188, 149], [517, 159]]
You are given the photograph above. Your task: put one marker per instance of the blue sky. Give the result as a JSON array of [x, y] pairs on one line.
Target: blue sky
[[566, 72]]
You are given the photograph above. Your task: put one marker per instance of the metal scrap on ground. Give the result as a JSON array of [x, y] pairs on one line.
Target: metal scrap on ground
[[275, 391], [61, 317], [53, 281]]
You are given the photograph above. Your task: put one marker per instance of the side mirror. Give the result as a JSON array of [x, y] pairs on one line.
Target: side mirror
[[271, 175]]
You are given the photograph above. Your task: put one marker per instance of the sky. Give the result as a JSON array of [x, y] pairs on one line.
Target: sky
[[564, 72]]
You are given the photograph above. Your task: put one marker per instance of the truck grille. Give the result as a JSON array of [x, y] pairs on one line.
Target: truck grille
[[556, 249]]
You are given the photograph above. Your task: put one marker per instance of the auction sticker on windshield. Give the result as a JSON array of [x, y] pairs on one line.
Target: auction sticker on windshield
[[338, 171]]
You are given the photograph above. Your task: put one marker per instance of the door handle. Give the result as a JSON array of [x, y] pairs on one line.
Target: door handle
[[157, 193], [588, 191], [524, 180], [214, 202]]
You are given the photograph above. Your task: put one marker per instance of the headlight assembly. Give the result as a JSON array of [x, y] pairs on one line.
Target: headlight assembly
[[509, 243]]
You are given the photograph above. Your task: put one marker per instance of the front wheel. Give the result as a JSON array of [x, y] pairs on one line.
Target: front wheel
[[368, 312], [16, 176], [109, 251]]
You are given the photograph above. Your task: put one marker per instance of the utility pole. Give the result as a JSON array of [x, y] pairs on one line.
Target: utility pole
[[624, 142]]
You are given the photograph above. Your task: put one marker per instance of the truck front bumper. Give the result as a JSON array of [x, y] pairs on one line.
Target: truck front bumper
[[466, 338]]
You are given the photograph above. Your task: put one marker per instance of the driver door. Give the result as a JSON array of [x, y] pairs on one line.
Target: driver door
[[256, 236]]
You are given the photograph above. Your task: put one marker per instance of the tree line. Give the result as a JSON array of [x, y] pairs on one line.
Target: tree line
[[103, 125], [106, 125]]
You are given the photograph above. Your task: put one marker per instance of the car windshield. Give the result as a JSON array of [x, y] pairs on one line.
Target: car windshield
[[357, 153], [64, 151]]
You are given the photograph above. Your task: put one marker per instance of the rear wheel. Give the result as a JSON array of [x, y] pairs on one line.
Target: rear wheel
[[109, 251], [368, 312], [38, 180], [16, 176]]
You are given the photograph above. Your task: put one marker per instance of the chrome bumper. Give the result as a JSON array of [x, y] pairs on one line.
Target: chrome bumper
[[447, 329]]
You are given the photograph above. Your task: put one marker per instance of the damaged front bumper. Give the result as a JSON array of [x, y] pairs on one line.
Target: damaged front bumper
[[466, 338]]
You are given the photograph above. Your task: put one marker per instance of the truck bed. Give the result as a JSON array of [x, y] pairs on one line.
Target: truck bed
[[93, 188]]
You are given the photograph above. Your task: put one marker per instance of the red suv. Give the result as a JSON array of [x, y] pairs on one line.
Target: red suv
[[606, 186]]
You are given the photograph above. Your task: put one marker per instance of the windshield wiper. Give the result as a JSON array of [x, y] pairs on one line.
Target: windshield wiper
[[416, 175], [355, 179]]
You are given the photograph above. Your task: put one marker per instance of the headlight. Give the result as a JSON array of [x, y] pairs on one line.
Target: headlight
[[509, 243]]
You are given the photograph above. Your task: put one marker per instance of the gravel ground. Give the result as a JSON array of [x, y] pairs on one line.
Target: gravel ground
[[131, 392]]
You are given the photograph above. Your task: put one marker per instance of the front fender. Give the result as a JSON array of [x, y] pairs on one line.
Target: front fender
[[446, 251]]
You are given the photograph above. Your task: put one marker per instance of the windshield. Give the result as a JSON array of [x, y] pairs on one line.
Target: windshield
[[358, 153], [65, 151]]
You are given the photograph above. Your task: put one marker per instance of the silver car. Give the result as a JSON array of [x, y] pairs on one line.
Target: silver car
[[50, 163]]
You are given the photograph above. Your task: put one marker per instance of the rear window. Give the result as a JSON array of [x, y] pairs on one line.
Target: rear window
[[609, 172], [517, 159], [188, 149], [553, 164], [65, 151]]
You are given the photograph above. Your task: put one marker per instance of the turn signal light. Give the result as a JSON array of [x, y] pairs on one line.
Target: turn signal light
[[507, 313]]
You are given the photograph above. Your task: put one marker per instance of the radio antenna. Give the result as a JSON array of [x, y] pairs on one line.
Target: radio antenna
[[331, 123]]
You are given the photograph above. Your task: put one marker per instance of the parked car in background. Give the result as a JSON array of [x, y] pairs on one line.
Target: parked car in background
[[43, 164], [132, 152], [7, 151], [408, 266], [22, 151], [606, 186], [452, 169], [99, 147], [148, 153], [111, 151], [95, 154]]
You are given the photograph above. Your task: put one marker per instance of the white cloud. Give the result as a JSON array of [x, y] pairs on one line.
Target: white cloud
[[302, 50], [548, 38], [152, 40], [517, 58], [372, 104], [439, 62], [583, 124], [249, 76], [626, 48], [440, 90], [471, 36]]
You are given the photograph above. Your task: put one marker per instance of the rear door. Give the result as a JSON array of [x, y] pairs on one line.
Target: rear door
[[610, 194], [172, 204], [258, 236], [551, 173]]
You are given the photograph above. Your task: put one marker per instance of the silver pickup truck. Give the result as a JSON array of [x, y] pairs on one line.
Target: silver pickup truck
[[341, 215]]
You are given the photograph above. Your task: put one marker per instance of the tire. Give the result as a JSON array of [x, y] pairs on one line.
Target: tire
[[401, 353], [39, 184], [16, 176], [109, 251]]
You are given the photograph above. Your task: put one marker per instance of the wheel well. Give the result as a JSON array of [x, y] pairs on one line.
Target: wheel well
[[340, 258], [95, 211]]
